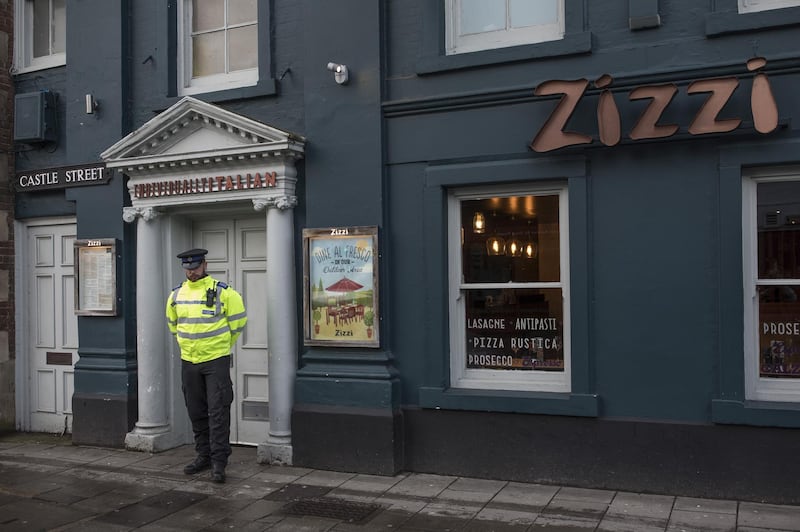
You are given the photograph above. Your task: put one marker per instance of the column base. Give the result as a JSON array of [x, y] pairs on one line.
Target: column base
[[151, 440], [274, 453]]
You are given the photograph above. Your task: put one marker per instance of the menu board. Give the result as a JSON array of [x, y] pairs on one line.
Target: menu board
[[514, 329], [96, 280]]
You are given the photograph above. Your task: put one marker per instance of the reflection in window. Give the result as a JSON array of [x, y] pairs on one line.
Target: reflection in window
[[220, 44], [511, 329], [41, 33], [778, 282], [487, 24]]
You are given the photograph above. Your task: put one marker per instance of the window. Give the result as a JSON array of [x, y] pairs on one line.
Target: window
[[219, 47], [40, 34], [751, 6], [509, 302], [487, 24], [772, 287]]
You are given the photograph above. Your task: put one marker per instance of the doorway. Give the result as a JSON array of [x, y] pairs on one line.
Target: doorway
[[237, 256], [49, 332]]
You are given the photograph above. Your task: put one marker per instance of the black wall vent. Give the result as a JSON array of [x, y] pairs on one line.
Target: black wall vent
[[35, 117]]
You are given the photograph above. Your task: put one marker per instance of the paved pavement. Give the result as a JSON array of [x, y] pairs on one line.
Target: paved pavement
[[46, 483]]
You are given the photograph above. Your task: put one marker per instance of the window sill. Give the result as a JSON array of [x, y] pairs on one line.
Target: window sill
[[573, 44], [562, 404], [264, 87], [725, 23], [755, 413]]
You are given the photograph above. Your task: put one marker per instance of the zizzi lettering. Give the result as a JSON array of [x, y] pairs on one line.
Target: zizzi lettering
[[553, 135]]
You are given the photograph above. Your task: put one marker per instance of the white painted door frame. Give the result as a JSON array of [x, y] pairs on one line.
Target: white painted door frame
[[22, 273]]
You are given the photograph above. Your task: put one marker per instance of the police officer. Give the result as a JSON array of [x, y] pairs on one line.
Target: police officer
[[207, 317]]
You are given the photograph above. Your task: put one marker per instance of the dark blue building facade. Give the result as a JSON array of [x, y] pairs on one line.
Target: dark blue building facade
[[586, 261]]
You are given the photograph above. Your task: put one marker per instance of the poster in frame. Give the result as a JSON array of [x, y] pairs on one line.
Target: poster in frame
[[340, 287], [96, 277]]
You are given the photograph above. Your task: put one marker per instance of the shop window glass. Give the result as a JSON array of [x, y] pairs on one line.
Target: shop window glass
[[474, 25], [219, 48], [509, 302], [751, 6], [774, 348], [40, 34]]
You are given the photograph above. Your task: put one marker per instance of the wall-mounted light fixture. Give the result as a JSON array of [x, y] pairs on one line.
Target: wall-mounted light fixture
[[91, 104], [340, 73]]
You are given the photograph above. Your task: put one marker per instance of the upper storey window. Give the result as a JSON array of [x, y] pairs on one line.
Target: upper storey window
[[219, 45], [474, 25], [40, 34], [751, 6]]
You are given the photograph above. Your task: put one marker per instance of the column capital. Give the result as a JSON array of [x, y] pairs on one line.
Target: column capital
[[129, 214], [281, 202]]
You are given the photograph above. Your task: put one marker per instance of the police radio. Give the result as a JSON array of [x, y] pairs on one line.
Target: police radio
[[210, 295]]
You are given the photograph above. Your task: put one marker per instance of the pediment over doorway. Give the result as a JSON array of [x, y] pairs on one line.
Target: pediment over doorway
[[194, 142]]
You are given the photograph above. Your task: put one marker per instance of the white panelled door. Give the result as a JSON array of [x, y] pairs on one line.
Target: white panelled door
[[237, 255], [51, 325]]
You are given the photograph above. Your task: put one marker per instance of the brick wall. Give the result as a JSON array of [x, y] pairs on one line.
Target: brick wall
[[7, 353]]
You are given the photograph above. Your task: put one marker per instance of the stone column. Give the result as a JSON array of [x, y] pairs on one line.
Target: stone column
[[281, 327], [153, 426]]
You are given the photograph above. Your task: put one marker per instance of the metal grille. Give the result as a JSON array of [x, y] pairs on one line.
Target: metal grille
[[330, 507]]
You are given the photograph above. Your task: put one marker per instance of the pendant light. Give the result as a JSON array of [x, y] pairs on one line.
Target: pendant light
[[530, 250], [515, 247], [496, 245], [478, 223]]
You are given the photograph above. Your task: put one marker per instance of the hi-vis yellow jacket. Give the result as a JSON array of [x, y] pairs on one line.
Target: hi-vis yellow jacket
[[205, 332]]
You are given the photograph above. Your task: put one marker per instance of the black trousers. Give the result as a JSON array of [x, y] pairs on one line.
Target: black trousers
[[208, 393]]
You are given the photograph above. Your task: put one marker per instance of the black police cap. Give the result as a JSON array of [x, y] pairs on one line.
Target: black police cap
[[192, 258]]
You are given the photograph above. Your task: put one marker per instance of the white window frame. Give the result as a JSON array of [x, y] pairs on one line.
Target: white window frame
[[458, 44], [753, 6], [217, 82], [759, 388], [23, 42], [487, 379]]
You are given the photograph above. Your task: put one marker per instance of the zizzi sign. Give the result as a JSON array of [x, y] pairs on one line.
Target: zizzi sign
[[553, 135], [62, 177]]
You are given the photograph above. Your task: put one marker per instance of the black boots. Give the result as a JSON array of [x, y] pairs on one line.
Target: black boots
[[218, 473], [201, 463]]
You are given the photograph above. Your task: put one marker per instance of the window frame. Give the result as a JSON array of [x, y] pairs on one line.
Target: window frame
[[755, 6], [462, 377], [458, 44], [759, 388], [187, 85], [23, 41]]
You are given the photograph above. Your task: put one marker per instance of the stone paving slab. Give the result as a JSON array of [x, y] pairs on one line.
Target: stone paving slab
[[656, 507], [769, 516], [705, 505], [422, 485], [682, 520]]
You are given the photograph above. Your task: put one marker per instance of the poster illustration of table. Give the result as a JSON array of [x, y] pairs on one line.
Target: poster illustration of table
[[340, 303]]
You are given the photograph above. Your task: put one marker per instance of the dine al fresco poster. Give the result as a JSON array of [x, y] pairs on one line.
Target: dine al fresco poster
[[341, 288]]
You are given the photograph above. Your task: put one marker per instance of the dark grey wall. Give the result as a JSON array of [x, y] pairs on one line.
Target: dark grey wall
[[655, 296]]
